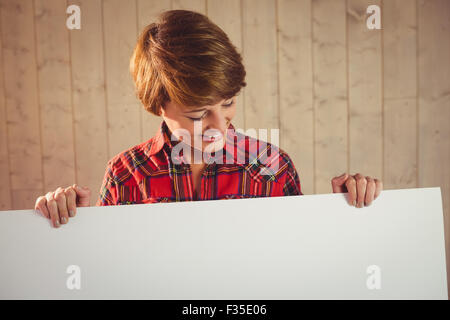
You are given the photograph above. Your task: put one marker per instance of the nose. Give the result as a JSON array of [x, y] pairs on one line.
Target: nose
[[217, 121]]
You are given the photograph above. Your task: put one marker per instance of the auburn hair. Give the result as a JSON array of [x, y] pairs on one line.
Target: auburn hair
[[186, 58]]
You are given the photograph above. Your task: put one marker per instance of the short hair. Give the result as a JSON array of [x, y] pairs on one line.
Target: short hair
[[186, 58]]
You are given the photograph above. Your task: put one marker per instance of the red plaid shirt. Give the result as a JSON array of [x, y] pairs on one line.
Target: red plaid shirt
[[146, 173]]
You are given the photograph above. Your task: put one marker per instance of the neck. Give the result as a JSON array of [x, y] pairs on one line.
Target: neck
[[199, 156]]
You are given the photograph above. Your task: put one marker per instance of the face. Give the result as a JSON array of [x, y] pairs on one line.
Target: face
[[206, 125]]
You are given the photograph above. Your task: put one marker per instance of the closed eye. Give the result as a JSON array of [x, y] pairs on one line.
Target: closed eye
[[196, 119], [200, 118], [228, 105]]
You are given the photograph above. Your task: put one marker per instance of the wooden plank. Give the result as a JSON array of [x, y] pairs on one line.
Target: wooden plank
[[399, 49], [22, 110], [147, 12], [53, 65], [296, 91], [5, 186], [25, 198], [194, 5], [330, 91], [434, 102], [260, 60], [400, 161], [365, 92], [227, 15], [400, 93], [88, 83], [119, 34]]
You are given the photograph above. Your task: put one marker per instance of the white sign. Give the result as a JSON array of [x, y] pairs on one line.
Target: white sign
[[298, 247]]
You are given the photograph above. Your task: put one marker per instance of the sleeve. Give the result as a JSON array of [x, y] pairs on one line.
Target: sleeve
[[292, 185], [108, 191]]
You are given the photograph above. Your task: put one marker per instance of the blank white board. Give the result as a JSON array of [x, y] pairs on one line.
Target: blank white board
[[298, 247]]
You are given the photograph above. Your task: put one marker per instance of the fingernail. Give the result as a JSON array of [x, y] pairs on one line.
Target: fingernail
[[71, 213], [56, 223], [360, 205], [63, 220], [354, 203]]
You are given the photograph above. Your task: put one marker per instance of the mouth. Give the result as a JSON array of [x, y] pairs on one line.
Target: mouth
[[212, 138]]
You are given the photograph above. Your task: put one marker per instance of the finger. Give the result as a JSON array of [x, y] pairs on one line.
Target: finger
[[361, 185], [351, 187], [71, 198], [41, 206], [337, 183], [83, 195], [370, 191], [61, 201], [53, 209], [379, 187]]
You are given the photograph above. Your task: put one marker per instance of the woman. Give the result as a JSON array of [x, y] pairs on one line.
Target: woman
[[187, 71]]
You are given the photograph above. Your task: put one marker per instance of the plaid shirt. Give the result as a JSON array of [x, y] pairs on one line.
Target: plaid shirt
[[146, 173]]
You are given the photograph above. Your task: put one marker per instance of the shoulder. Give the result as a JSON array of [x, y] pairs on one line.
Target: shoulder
[[134, 162]]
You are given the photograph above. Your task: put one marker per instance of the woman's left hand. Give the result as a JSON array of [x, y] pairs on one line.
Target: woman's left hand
[[362, 190]]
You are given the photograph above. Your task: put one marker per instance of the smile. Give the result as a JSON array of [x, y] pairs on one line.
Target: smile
[[210, 138]]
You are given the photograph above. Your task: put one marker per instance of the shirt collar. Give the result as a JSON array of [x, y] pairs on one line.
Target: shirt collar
[[161, 138]]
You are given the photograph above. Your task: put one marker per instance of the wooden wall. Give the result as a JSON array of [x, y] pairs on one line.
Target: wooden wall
[[345, 98]]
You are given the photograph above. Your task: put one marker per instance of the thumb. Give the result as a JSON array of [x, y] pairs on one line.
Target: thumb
[[338, 182]]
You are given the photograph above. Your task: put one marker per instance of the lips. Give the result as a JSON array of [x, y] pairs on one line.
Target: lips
[[211, 138]]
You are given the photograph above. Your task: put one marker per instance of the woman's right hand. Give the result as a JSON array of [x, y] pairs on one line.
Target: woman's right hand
[[61, 204]]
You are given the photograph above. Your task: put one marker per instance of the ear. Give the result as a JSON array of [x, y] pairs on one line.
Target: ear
[[162, 112]]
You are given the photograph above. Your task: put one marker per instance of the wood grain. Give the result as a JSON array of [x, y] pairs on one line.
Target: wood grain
[[22, 102], [365, 92], [5, 186], [89, 94], [194, 5], [400, 93], [260, 59], [55, 88], [123, 107], [330, 91], [296, 90]]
